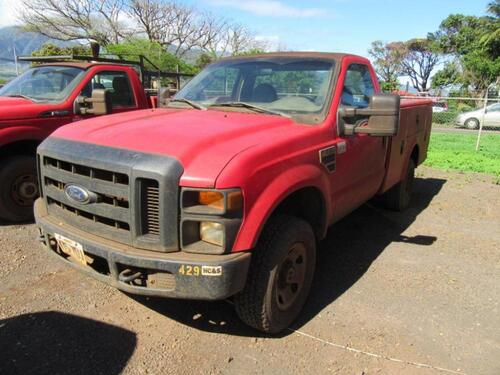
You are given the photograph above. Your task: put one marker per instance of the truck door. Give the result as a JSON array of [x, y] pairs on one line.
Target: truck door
[[360, 161], [118, 84]]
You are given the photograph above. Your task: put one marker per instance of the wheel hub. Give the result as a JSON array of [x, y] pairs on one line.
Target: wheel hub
[[291, 276], [24, 190]]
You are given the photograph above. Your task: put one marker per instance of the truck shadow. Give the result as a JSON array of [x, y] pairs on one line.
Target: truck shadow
[[344, 256], [7, 223], [51, 342]]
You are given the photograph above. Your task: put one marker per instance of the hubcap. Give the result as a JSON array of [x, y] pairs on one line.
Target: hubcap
[[291, 276], [24, 190]]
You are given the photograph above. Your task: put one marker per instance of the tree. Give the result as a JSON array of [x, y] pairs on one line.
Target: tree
[[203, 60], [50, 49], [156, 53], [420, 57], [449, 75], [170, 24], [494, 8], [181, 28], [387, 58], [175, 27], [224, 38], [474, 45], [92, 20]]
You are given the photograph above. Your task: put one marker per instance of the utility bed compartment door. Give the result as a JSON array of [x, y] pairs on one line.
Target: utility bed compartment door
[[414, 129]]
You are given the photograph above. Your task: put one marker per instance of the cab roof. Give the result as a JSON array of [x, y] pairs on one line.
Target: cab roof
[[299, 54]]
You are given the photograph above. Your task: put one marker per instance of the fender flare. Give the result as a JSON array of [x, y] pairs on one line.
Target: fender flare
[[281, 187], [407, 159], [15, 134]]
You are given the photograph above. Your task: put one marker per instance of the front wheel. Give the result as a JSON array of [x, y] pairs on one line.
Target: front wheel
[[472, 123], [18, 188], [280, 275]]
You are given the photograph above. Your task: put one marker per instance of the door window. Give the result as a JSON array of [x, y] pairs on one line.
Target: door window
[[118, 85], [358, 86]]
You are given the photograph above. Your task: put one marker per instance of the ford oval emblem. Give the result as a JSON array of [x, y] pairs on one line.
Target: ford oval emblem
[[78, 194]]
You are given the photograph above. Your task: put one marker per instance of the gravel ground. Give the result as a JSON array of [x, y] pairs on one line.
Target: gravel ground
[[413, 293]]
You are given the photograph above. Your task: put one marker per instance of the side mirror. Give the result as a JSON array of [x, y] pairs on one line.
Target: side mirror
[[98, 104], [382, 113]]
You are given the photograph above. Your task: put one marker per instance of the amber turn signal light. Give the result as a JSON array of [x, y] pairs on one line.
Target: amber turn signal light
[[212, 199]]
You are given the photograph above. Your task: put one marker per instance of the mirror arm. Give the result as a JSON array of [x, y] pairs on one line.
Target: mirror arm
[[349, 129], [352, 112]]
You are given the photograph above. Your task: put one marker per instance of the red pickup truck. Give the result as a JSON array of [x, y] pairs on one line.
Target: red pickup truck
[[46, 97], [226, 190]]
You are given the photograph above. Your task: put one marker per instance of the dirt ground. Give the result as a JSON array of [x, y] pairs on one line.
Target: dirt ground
[[414, 293]]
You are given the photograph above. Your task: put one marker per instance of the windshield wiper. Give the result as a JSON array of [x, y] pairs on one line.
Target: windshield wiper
[[189, 102], [255, 108], [21, 96]]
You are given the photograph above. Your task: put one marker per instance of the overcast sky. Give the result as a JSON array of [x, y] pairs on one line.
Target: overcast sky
[[327, 25]]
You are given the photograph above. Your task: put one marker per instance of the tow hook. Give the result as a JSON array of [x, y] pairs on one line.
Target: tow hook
[[127, 276]]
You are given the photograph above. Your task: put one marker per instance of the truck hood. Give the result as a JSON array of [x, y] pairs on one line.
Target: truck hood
[[18, 108], [203, 141]]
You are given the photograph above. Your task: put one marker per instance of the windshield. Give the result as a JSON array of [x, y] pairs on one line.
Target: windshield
[[293, 87], [44, 84]]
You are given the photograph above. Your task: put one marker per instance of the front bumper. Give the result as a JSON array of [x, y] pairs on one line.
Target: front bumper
[[176, 275]]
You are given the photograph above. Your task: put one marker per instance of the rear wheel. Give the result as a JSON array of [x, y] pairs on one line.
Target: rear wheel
[[399, 196], [472, 123], [18, 188], [280, 275]]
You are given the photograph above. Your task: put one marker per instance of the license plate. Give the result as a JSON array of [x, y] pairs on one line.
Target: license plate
[[71, 248]]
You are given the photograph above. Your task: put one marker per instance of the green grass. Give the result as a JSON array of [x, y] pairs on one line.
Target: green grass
[[458, 151]]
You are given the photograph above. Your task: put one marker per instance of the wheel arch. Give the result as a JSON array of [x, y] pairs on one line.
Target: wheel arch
[[290, 193], [307, 203], [20, 147]]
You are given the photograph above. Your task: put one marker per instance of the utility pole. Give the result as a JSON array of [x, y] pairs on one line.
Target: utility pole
[[15, 60]]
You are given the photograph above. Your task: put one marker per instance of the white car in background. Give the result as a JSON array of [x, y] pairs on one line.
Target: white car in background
[[472, 120]]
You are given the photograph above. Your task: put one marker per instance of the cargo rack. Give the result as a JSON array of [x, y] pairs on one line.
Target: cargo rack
[[146, 75]]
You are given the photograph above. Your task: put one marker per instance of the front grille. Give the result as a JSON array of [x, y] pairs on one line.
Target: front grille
[[90, 172], [134, 195], [109, 216], [89, 216]]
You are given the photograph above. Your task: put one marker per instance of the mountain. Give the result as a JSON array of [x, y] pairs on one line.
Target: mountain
[[25, 43]]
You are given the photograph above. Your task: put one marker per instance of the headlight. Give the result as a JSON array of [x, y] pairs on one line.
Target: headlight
[[212, 233], [210, 219]]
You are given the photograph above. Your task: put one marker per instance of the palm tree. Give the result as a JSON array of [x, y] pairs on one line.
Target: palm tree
[[494, 8]]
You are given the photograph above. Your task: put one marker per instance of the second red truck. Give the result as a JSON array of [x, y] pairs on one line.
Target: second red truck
[[53, 94]]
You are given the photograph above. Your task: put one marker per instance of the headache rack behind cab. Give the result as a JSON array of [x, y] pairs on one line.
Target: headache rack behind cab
[[147, 70]]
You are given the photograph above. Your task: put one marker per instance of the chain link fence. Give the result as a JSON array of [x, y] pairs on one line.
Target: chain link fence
[[464, 112], [465, 134]]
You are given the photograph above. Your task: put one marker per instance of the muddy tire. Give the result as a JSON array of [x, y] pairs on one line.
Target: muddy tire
[[18, 188], [280, 275], [472, 123], [399, 196]]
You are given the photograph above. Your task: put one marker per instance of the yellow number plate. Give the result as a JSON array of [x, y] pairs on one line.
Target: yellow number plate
[[189, 270], [71, 248]]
